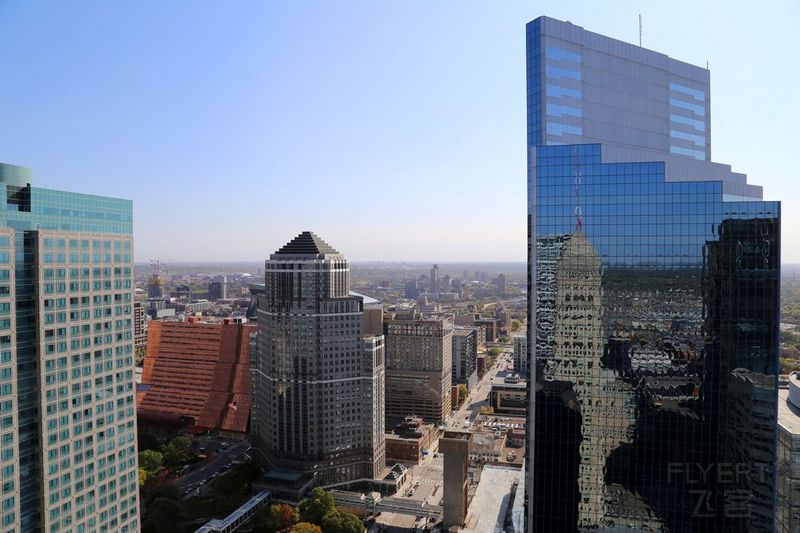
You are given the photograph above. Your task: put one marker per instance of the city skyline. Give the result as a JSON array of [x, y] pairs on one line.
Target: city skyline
[[204, 132]]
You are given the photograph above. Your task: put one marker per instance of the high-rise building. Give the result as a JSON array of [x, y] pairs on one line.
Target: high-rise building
[[654, 299], [139, 325], [419, 372], [501, 284], [435, 278], [317, 379], [67, 371], [521, 354], [218, 288], [465, 355]]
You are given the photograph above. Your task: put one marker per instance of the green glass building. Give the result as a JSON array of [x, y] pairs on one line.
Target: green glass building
[[67, 394]]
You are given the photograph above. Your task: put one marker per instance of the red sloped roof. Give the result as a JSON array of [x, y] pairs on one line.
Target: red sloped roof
[[198, 370]]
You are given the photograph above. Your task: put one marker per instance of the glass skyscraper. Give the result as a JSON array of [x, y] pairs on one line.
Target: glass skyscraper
[[68, 427], [654, 290]]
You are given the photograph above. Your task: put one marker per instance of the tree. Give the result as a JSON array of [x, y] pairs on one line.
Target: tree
[[143, 475], [342, 522], [516, 324], [305, 527], [316, 506], [462, 393], [177, 451], [275, 517], [151, 461], [162, 516]]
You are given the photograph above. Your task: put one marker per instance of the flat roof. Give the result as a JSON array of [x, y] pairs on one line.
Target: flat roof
[[491, 500], [788, 414]]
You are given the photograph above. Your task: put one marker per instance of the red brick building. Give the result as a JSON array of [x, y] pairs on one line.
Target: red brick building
[[197, 375]]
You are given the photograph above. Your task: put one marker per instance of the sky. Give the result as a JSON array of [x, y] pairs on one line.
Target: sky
[[393, 129]]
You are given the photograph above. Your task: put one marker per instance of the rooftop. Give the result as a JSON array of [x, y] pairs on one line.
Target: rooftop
[[307, 243], [788, 414], [487, 511]]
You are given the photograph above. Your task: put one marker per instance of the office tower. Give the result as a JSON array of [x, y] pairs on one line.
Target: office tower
[[66, 373], [445, 284], [788, 491], [155, 285], [653, 288], [411, 289], [218, 288], [521, 354], [197, 376], [465, 355], [139, 325], [501, 284], [317, 379], [456, 447], [435, 279], [419, 355]]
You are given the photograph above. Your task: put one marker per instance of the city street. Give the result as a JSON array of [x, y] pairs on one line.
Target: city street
[[479, 395], [210, 467]]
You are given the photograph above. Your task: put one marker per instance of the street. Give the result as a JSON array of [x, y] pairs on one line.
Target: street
[[479, 395], [207, 469]]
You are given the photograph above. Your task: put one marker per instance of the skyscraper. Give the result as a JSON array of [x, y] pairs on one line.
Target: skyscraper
[[218, 288], [318, 381], [654, 299], [66, 373], [435, 279]]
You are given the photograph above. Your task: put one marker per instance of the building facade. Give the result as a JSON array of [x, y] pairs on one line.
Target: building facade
[[419, 369], [69, 458], [218, 288], [653, 331], [521, 354], [788, 493], [465, 356], [317, 379], [139, 325]]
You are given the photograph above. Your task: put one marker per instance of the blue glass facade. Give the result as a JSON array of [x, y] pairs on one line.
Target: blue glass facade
[[653, 339], [71, 453]]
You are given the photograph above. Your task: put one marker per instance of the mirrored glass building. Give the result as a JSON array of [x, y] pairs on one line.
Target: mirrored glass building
[[654, 279]]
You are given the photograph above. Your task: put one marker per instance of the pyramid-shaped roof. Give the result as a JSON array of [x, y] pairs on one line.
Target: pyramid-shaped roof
[[307, 243]]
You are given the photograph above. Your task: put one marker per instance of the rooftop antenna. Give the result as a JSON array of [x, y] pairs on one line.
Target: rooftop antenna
[[640, 29]]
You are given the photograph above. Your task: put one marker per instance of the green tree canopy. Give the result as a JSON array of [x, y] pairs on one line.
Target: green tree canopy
[[342, 522], [151, 461], [316, 506]]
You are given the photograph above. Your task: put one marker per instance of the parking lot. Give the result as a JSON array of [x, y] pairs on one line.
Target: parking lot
[[425, 481]]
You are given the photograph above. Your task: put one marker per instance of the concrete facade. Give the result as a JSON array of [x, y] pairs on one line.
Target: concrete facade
[[456, 448], [418, 369]]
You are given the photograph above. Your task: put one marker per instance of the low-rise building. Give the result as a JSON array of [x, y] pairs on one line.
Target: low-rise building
[[410, 440], [509, 393]]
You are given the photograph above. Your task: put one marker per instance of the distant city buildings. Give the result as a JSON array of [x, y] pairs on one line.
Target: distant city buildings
[[434, 279], [218, 288], [68, 459], [197, 376], [318, 412], [418, 368], [501, 284]]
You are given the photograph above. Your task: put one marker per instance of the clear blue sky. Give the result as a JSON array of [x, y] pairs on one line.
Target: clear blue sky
[[395, 129]]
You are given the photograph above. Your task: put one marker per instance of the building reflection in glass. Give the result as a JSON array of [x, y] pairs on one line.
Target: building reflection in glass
[[655, 350]]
